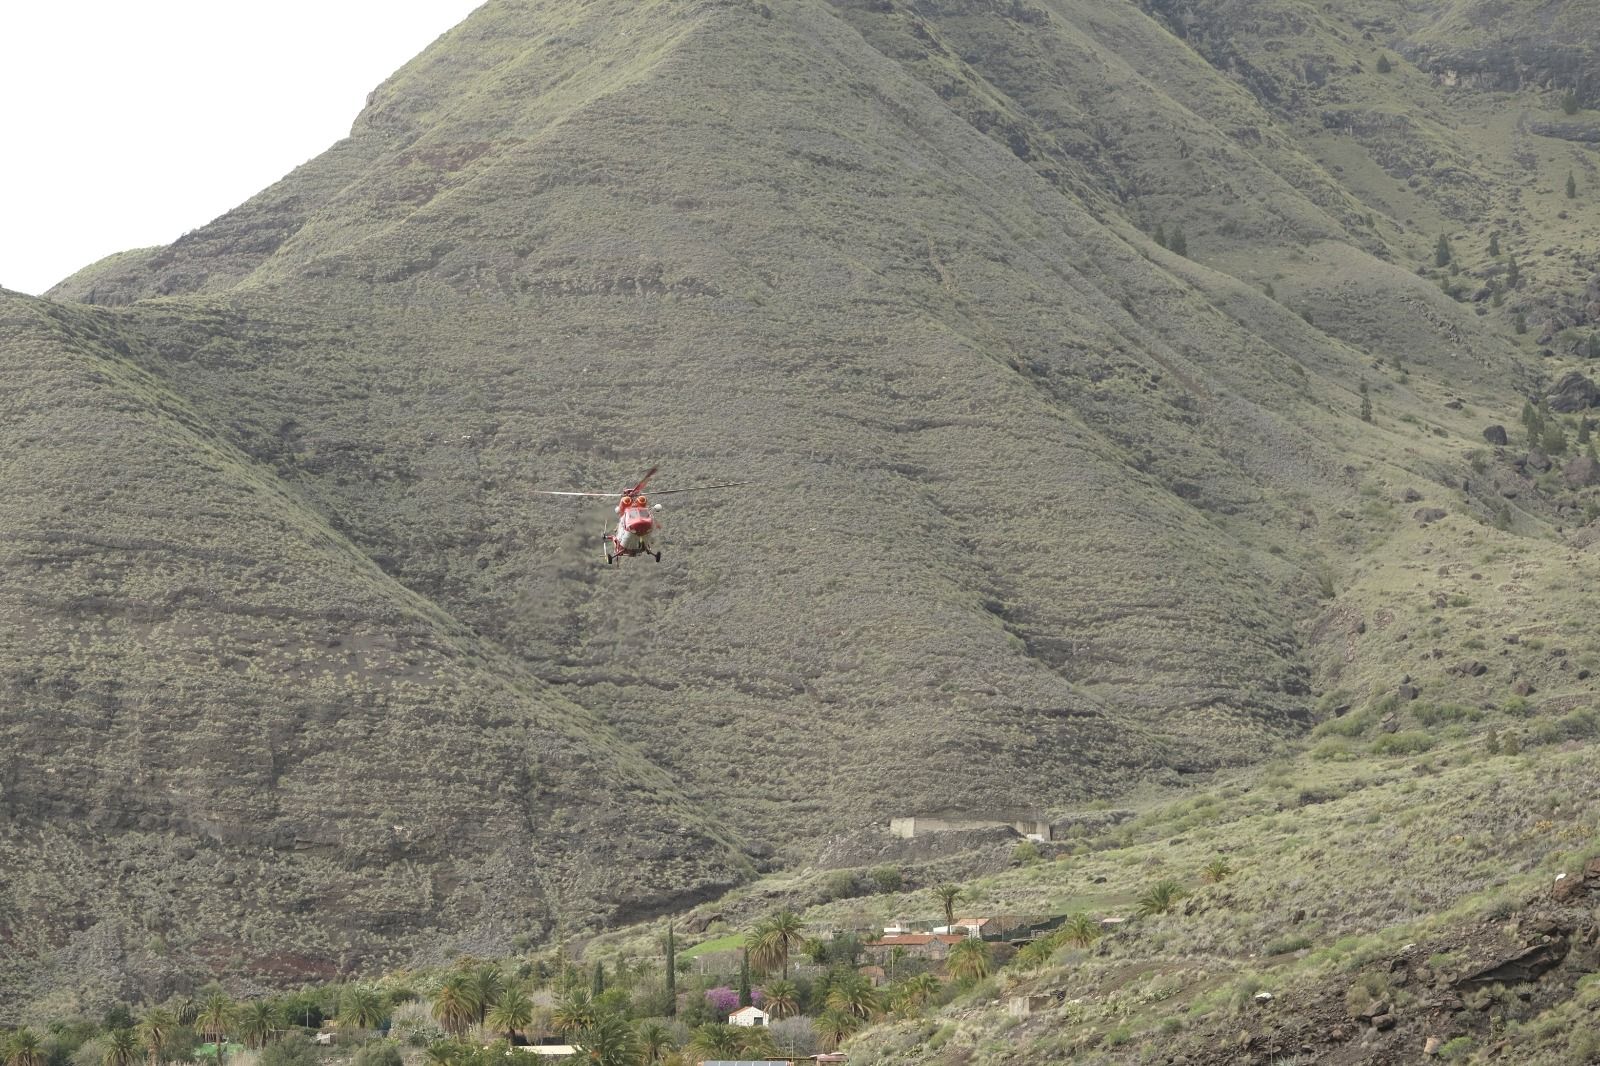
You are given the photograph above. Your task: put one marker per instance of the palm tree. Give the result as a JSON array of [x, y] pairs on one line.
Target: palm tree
[[257, 1021], [22, 1049], [771, 942], [655, 1041], [853, 994], [609, 1041], [756, 1044], [948, 894], [781, 999], [1159, 898], [216, 1014], [122, 1048], [897, 955], [441, 1053], [155, 1032], [1215, 871], [455, 1005], [835, 1026], [715, 1040], [512, 1013], [575, 1012], [363, 1008], [970, 960], [487, 983], [915, 991], [1080, 930]]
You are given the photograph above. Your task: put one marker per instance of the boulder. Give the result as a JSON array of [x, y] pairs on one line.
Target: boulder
[[1431, 1045], [1581, 472], [1524, 688], [1495, 435], [1537, 461], [1407, 692], [1573, 392], [1383, 1022], [1470, 668], [1424, 515], [1411, 496]]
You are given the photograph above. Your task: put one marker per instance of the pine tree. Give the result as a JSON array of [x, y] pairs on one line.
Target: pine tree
[[1441, 252], [1384, 66], [1572, 185], [1554, 439], [1569, 102], [1513, 272], [1512, 744], [1502, 520], [1491, 743], [1494, 243], [1583, 430], [1160, 235], [1179, 244], [1366, 404], [1519, 323]]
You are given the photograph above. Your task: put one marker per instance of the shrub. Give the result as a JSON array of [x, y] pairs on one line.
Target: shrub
[[1569, 102], [292, 1050], [841, 884], [887, 878], [1025, 854], [379, 1053], [1407, 742], [1285, 944], [1457, 1050]]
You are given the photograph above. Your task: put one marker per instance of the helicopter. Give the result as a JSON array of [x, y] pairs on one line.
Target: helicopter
[[636, 517]]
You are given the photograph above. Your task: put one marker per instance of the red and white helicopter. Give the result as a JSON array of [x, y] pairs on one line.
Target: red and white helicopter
[[636, 517]]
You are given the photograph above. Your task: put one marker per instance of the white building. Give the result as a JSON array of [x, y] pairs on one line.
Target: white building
[[748, 1016]]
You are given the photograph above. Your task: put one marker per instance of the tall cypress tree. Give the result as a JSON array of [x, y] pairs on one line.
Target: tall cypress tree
[[672, 975], [744, 979], [598, 986]]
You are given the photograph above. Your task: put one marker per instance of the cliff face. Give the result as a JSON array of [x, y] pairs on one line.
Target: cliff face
[[1040, 334]]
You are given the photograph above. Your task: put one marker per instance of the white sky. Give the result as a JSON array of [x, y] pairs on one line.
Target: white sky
[[127, 123]]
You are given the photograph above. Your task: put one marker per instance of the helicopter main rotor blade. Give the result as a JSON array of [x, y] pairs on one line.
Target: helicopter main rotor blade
[[640, 486], [701, 488], [553, 492]]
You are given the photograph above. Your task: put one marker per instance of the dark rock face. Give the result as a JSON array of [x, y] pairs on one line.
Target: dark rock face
[[1495, 435], [1573, 392]]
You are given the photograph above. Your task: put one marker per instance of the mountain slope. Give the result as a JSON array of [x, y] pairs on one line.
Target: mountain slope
[[1038, 507], [229, 729]]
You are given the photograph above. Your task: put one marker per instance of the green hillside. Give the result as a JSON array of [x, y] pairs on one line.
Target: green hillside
[[1111, 411]]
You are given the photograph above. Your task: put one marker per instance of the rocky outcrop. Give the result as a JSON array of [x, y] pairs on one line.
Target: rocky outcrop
[[1581, 472], [1573, 392]]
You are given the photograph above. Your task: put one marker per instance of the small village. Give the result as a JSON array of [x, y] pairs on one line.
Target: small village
[[780, 991]]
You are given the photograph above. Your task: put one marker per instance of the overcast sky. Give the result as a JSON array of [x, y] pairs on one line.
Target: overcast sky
[[128, 123]]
